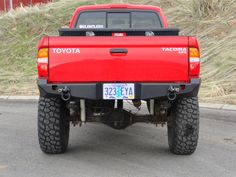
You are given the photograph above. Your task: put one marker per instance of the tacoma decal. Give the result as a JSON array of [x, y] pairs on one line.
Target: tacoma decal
[[178, 50]]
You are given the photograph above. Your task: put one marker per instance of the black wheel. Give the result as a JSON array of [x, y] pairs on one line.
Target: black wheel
[[53, 125], [183, 126]]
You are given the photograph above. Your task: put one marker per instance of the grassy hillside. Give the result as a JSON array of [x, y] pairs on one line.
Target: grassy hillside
[[20, 31], [212, 21]]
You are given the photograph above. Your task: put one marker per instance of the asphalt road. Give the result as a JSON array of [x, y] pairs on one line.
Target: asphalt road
[[99, 151]]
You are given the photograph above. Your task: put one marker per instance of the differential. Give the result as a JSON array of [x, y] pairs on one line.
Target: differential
[[118, 119]]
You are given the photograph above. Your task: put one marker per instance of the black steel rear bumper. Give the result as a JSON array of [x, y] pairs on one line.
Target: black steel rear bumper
[[143, 91]]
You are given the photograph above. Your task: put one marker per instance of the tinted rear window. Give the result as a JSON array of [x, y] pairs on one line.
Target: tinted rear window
[[118, 20], [92, 20], [125, 20], [145, 20]]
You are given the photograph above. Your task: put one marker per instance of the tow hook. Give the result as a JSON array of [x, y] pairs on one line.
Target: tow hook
[[172, 93], [65, 93]]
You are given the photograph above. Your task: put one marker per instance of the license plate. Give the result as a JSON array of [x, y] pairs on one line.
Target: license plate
[[118, 91]]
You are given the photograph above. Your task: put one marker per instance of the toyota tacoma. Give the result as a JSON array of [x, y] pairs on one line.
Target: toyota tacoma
[[111, 54]]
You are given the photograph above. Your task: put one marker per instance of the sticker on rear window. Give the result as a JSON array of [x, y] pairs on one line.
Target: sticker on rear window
[[90, 26]]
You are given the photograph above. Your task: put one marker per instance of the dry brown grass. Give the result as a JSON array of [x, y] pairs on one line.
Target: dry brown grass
[[214, 24], [20, 32]]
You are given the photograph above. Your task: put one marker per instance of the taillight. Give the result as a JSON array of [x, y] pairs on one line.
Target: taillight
[[43, 62], [194, 62]]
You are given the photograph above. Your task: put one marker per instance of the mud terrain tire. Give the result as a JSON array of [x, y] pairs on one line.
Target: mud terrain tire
[[53, 125], [183, 126]]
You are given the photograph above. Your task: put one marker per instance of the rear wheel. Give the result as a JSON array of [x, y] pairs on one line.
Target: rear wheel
[[183, 126], [53, 125]]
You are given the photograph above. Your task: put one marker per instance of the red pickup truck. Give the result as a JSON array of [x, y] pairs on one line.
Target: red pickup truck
[[112, 53]]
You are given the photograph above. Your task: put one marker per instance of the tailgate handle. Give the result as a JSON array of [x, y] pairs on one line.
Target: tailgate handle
[[118, 51]]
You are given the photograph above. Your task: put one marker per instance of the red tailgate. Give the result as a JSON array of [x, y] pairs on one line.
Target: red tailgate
[[143, 59]]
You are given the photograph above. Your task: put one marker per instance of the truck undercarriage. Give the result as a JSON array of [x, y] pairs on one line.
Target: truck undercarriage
[[86, 104]]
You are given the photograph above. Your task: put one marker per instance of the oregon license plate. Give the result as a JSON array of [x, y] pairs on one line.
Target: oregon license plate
[[118, 91]]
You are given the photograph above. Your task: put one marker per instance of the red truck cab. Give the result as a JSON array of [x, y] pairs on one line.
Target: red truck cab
[[113, 53]]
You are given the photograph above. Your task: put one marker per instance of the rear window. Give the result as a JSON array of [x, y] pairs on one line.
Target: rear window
[[145, 20], [116, 20], [92, 20]]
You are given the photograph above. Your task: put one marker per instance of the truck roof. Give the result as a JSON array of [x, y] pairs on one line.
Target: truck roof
[[118, 6]]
